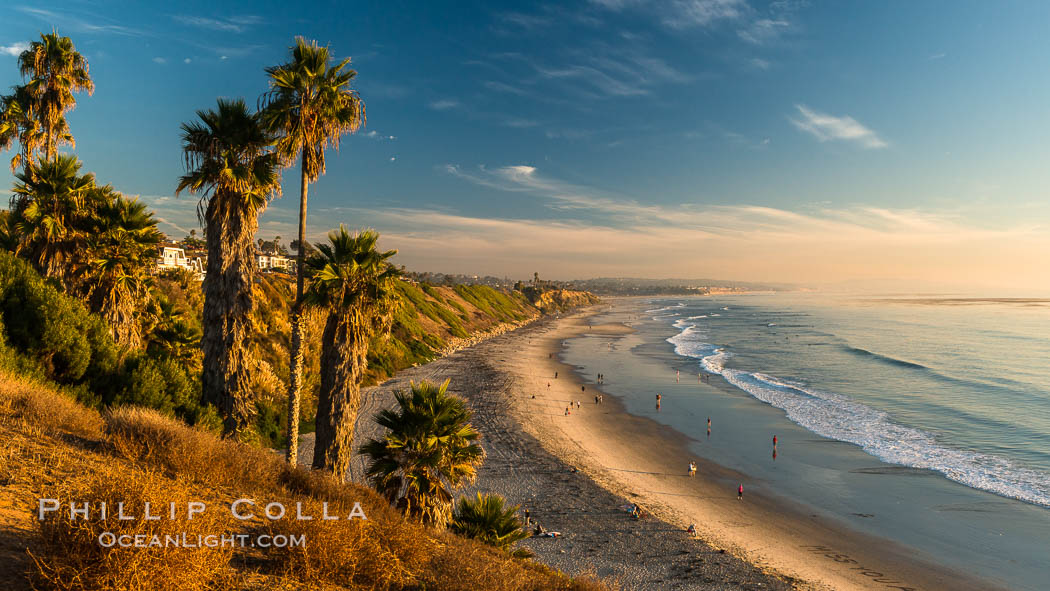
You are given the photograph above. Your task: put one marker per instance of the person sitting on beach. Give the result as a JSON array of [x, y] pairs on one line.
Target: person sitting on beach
[[691, 530], [567, 413]]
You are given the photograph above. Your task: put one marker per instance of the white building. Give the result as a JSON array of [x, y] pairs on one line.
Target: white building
[[173, 257], [274, 262]]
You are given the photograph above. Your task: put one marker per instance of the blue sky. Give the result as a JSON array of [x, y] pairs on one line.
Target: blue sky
[[781, 141]]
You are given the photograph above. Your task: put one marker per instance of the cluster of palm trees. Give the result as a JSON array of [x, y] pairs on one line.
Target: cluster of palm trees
[[234, 158], [99, 245], [93, 241]]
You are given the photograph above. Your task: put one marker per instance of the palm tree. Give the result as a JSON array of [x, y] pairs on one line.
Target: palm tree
[[56, 70], [486, 518], [430, 449], [122, 241], [50, 200], [309, 106], [17, 123], [354, 283], [173, 336], [228, 164]]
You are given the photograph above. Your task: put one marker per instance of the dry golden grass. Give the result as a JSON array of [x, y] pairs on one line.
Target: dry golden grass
[[366, 554], [144, 435], [42, 409], [135, 455], [67, 553]]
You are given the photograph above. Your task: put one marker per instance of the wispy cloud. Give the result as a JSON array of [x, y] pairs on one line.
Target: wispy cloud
[[444, 104], [520, 123], [15, 49], [684, 14], [760, 63], [375, 135], [503, 87], [826, 127], [234, 24], [592, 233], [84, 22], [937, 56], [159, 60], [763, 31], [524, 21]]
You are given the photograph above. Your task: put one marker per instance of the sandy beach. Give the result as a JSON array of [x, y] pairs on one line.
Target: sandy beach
[[576, 472]]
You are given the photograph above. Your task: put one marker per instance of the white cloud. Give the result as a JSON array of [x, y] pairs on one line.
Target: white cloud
[[760, 63], [938, 56], [15, 49], [186, 61], [159, 60], [444, 104], [763, 31], [375, 135], [392, 158], [829, 127]]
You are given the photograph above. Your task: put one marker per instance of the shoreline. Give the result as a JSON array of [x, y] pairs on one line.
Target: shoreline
[[534, 451], [770, 532]]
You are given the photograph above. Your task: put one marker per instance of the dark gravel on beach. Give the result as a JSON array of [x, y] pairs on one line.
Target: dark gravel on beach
[[598, 537]]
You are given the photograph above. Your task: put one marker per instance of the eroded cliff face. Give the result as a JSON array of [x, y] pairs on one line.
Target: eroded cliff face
[[560, 300]]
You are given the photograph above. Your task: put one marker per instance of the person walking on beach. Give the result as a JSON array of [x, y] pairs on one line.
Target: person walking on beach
[[527, 520], [740, 493], [774, 441], [567, 410], [555, 375], [677, 376]]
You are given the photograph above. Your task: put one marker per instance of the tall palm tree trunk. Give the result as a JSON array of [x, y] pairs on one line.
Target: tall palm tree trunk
[[343, 359], [225, 379], [295, 372]]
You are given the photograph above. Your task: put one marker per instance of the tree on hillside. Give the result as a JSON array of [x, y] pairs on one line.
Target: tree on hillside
[[122, 239], [50, 199], [56, 70], [429, 450], [488, 519], [228, 164], [354, 284], [310, 105]]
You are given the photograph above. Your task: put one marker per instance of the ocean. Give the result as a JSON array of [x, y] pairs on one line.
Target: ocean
[[921, 419]]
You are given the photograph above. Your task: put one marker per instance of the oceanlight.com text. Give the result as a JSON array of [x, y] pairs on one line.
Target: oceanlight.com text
[[111, 540]]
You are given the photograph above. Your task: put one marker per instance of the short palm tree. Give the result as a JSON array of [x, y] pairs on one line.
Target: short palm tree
[[172, 334], [486, 518], [430, 449], [228, 163], [353, 283], [56, 70], [310, 105], [49, 204], [121, 244]]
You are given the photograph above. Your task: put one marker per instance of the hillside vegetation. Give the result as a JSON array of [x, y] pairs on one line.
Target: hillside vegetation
[[50, 335], [57, 448]]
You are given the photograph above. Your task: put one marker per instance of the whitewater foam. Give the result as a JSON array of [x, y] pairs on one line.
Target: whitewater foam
[[838, 417]]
